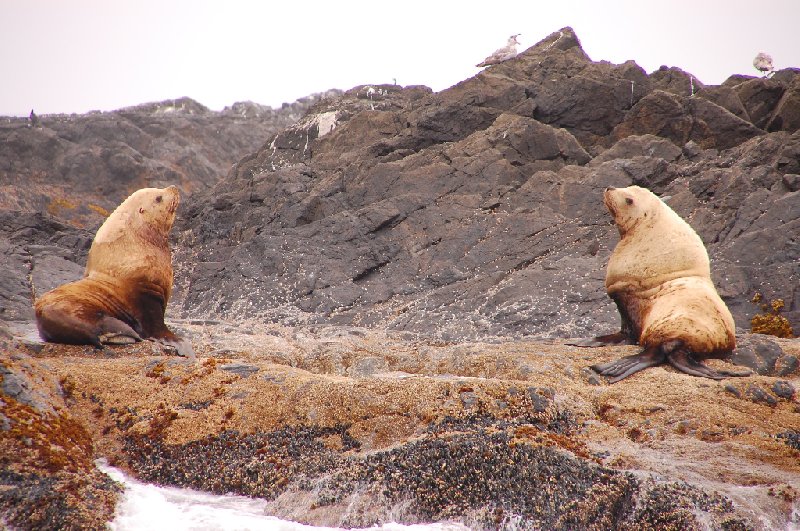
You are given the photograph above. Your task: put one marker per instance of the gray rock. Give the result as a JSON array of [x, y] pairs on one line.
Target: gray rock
[[730, 388], [17, 385], [676, 81], [783, 389], [241, 369], [786, 116], [639, 146], [792, 181], [758, 352], [468, 399], [760, 96], [92, 162], [727, 98], [540, 397], [787, 365], [758, 395], [369, 366], [681, 119]]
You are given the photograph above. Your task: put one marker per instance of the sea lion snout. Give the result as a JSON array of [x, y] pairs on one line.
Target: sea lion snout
[[175, 197]]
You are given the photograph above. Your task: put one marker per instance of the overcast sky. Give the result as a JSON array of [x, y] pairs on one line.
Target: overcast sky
[[63, 56]]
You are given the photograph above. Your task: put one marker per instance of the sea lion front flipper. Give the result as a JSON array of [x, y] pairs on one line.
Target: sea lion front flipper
[[619, 338], [624, 367], [182, 346], [684, 361], [153, 302]]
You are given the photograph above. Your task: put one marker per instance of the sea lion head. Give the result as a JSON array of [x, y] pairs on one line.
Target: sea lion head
[[148, 211], [631, 206], [156, 207]]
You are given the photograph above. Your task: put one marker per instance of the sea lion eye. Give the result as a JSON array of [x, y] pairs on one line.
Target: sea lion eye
[[629, 200], [159, 199]]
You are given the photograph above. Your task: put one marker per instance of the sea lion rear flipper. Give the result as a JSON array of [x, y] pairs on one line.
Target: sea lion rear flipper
[[684, 361], [116, 332], [624, 367]]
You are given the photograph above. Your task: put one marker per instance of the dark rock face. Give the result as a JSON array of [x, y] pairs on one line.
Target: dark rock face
[[79, 168], [676, 81], [477, 211], [764, 355], [74, 170]]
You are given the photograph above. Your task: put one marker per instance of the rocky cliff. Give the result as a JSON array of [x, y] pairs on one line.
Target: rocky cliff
[[379, 294], [477, 211], [78, 168]]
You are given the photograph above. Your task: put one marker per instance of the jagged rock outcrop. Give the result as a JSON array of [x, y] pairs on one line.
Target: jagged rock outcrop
[[79, 167], [476, 211]]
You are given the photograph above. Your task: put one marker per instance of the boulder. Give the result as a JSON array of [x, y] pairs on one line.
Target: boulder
[[682, 120], [760, 96], [676, 81], [786, 116]]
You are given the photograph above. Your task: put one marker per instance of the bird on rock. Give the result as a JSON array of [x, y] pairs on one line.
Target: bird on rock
[[763, 63], [505, 53]]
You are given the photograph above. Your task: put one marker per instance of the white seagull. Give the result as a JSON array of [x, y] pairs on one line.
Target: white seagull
[[763, 63], [505, 53]]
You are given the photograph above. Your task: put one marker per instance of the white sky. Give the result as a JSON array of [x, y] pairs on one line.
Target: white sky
[[80, 55]]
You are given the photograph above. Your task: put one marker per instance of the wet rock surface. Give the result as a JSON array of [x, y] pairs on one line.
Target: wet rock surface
[[497, 434], [47, 476], [379, 292]]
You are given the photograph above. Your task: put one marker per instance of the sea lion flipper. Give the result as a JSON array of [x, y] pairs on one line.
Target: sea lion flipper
[[116, 332], [684, 361], [182, 346], [624, 367], [619, 338]]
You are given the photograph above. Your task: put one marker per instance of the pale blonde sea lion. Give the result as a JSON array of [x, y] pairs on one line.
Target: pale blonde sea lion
[[660, 278], [127, 282]]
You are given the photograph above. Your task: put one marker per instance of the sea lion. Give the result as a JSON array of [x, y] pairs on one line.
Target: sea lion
[[660, 278], [127, 282]]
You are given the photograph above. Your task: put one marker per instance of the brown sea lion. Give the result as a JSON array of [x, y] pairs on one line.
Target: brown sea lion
[[127, 282], [659, 277]]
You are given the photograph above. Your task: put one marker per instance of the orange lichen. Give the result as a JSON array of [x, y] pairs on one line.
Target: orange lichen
[[770, 322], [158, 371], [100, 210], [56, 206], [162, 419], [67, 386], [55, 442]]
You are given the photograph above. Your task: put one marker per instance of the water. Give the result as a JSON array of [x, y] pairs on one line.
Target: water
[[150, 507]]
